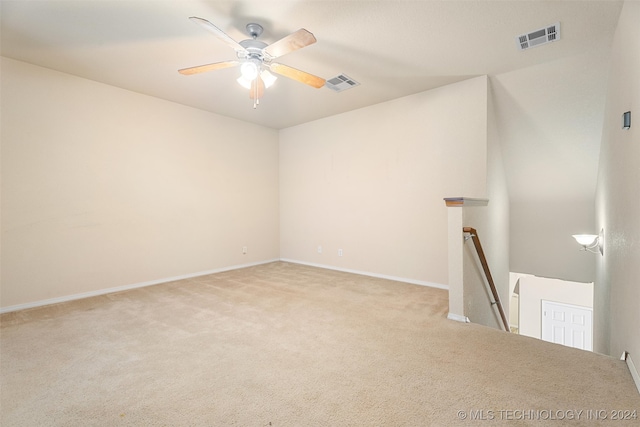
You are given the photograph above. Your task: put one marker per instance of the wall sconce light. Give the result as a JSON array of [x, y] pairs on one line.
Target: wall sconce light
[[626, 120], [590, 242]]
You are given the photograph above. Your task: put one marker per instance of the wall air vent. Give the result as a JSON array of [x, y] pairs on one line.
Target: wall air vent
[[539, 37], [341, 83]]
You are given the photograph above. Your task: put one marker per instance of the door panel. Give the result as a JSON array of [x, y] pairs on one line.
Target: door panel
[[566, 324]]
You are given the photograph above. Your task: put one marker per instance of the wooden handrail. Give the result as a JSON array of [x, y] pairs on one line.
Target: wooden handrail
[[485, 267]]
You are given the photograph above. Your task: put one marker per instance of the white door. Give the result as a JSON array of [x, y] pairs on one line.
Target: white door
[[567, 324]]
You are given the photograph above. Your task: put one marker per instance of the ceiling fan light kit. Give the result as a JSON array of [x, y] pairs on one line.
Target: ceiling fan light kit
[[267, 78], [256, 59], [249, 69]]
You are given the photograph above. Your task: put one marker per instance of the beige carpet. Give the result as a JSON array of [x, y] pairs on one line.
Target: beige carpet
[[289, 345]]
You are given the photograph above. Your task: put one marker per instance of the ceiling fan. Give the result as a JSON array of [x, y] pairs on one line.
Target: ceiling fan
[[255, 58]]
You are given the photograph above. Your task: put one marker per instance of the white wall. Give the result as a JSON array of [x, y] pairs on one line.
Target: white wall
[[550, 115], [541, 241], [617, 306], [514, 308], [371, 182], [535, 289], [102, 187]]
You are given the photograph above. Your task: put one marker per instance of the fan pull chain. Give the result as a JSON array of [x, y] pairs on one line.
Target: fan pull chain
[[256, 100], [255, 97]]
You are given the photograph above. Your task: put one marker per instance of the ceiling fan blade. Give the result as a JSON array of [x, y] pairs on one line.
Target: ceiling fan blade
[[218, 33], [208, 67], [301, 76], [257, 88], [293, 41]]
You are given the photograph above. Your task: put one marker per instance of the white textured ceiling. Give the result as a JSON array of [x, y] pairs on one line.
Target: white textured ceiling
[[549, 99]]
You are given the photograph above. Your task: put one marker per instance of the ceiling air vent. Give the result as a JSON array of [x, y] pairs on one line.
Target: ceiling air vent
[[341, 83], [539, 37]]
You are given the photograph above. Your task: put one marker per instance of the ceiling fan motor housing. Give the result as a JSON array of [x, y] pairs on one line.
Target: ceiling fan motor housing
[[253, 49]]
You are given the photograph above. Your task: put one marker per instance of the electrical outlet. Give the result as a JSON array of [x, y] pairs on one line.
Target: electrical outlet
[[319, 249], [339, 252], [244, 250]]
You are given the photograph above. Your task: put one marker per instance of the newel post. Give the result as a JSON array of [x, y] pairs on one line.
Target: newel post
[[455, 238]]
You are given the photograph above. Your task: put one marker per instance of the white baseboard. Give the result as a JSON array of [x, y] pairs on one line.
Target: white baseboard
[[99, 292], [125, 287], [632, 368], [366, 273], [458, 318]]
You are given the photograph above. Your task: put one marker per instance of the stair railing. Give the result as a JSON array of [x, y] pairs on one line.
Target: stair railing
[[473, 234]]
